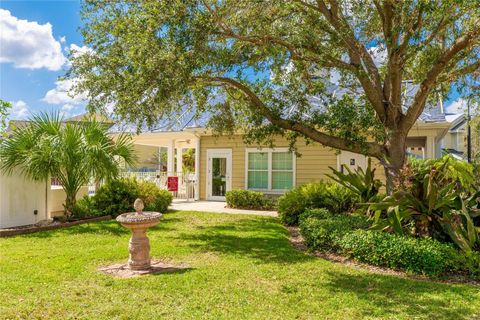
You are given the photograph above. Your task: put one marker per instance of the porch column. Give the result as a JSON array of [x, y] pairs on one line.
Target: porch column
[[159, 160], [170, 157], [179, 160], [430, 146], [197, 169]]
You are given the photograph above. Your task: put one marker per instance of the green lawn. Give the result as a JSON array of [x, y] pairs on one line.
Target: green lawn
[[240, 267]]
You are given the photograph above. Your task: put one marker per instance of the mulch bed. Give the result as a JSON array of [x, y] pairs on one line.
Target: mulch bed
[[297, 242], [54, 225]]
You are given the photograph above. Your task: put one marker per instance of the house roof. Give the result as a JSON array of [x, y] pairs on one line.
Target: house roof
[[458, 124], [19, 124], [85, 117]]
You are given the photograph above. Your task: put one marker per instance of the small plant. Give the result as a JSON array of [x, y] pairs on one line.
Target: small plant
[[362, 183], [247, 199]]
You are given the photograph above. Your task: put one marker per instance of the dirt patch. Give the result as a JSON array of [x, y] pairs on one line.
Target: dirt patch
[[297, 242], [121, 270]]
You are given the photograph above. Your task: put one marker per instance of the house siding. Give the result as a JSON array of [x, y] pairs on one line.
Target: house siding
[[312, 164]]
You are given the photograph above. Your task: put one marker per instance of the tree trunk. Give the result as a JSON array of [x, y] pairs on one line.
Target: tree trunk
[[396, 149], [70, 204]]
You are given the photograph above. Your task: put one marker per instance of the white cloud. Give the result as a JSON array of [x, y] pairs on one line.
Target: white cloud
[[67, 111], [28, 44], [63, 39], [76, 50], [60, 94], [19, 110], [67, 107], [457, 106]]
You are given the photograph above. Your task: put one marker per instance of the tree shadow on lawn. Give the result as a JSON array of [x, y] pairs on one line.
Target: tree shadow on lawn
[[415, 298], [109, 227], [260, 239]]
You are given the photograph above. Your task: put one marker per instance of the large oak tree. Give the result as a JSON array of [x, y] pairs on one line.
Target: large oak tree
[[330, 71]]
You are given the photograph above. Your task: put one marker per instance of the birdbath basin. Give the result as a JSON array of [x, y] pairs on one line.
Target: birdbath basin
[[139, 245]]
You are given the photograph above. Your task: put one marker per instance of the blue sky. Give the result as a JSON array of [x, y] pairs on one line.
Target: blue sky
[[34, 55], [35, 37]]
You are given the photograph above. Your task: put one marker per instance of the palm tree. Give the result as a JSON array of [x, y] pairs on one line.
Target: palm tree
[[73, 153]]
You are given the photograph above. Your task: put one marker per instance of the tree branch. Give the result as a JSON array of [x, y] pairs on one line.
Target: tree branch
[[359, 56], [361, 63], [257, 105], [462, 71], [432, 75]]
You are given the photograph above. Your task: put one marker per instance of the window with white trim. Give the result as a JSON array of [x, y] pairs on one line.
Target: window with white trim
[[270, 169]]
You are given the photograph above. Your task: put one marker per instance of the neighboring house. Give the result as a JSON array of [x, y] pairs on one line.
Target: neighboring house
[[454, 142], [223, 163]]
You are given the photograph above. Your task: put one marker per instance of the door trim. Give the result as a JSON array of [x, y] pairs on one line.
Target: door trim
[[227, 153]]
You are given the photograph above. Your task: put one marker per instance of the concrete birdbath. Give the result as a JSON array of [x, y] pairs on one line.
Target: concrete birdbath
[[139, 246]]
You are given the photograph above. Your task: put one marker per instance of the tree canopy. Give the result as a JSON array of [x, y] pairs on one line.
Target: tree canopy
[[331, 71]]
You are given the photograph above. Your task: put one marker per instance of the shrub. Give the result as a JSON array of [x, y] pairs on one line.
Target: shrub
[[317, 213], [247, 199], [147, 191], [329, 195], [416, 255], [85, 207], [322, 230], [117, 196], [161, 202], [291, 205]]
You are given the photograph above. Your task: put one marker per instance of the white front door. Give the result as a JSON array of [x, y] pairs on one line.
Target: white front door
[[219, 172]]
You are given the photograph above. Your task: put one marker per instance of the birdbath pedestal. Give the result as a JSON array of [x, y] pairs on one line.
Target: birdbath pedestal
[[139, 245]]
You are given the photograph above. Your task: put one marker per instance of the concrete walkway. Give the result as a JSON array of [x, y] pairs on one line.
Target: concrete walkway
[[215, 206]]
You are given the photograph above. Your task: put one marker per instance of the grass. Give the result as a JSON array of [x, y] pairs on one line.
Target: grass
[[240, 267]]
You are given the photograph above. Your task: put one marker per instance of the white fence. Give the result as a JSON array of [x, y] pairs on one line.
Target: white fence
[[186, 181]]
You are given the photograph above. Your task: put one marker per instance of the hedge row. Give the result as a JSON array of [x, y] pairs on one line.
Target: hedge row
[[348, 235], [247, 199]]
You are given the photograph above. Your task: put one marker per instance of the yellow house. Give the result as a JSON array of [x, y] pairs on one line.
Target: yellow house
[[224, 163]]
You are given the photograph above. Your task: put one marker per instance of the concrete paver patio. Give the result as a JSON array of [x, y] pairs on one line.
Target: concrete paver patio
[[215, 206]]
